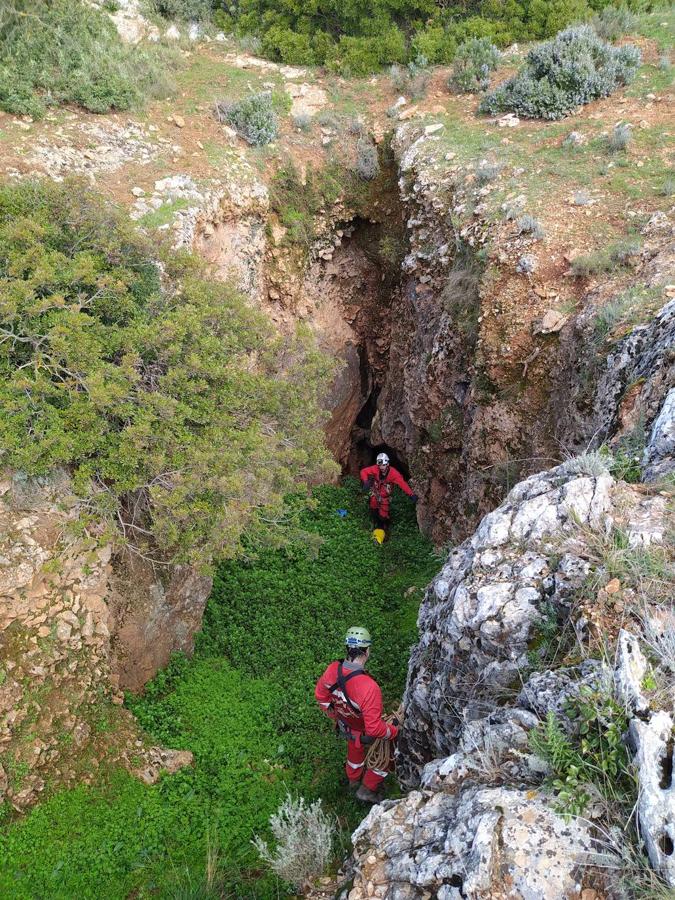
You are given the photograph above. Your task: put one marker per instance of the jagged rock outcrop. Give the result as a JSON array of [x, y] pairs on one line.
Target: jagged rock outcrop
[[480, 613], [652, 739], [482, 843]]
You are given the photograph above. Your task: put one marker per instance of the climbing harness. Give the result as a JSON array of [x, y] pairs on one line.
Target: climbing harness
[[341, 685]]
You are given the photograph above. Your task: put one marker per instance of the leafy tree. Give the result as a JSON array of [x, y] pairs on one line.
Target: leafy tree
[[182, 416]]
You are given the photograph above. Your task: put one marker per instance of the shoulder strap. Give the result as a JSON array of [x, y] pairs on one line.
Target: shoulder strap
[[341, 683]]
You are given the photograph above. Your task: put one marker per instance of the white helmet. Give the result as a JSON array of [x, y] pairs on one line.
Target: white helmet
[[382, 459]]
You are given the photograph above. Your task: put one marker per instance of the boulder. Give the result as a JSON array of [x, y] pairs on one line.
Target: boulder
[[479, 843]]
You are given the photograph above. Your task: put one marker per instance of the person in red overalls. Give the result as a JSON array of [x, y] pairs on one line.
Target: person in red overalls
[[379, 480], [354, 701]]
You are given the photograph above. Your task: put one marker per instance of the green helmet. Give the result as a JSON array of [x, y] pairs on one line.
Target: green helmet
[[358, 637]]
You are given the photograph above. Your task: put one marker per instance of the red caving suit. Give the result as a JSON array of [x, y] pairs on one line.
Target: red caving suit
[[382, 487], [364, 716]]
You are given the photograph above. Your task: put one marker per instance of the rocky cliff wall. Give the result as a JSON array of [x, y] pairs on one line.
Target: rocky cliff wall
[[75, 632]]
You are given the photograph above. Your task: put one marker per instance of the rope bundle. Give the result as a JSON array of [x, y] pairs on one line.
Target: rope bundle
[[381, 753]]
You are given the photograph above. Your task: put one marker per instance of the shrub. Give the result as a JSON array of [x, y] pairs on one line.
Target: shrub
[[474, 62], [668, 187], [529, 225], [612, 22], [487, 171], [254, 117], [563, 74], [436, 44], [605, 260], [591, 463], [367, 164], [304, 841], [287, 46], [68, 52], [526, 264], [361, 56], [620, 138], [184, 10], [412, 79], [157, 392], [590, 751], [303, 121]]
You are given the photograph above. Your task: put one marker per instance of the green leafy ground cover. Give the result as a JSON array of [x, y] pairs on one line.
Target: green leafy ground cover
[[245, 708]]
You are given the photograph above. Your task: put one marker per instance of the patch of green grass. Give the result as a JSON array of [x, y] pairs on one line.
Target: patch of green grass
[[659, 25], [244, 706], [164, 214], [635, 305]]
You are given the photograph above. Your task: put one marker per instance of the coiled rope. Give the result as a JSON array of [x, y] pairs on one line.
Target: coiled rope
[[381, 753]]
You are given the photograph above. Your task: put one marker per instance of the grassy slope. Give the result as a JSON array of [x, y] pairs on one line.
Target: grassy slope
[[244, 706]]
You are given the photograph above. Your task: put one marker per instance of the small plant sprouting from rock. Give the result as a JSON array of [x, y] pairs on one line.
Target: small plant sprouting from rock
[[529, 225], [304, 842], [367, 164], [591, 463], [474, 62], [588, 752], [620, 138], [526, 264], [254, 117]]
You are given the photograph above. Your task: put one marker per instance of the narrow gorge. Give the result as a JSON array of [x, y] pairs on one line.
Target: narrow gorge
[[491, 301]]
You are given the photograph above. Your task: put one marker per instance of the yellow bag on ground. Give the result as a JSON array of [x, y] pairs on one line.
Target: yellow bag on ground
[[378, 535]]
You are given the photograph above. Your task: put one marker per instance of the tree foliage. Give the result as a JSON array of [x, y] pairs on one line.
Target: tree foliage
[[175, 406], [357, 37]]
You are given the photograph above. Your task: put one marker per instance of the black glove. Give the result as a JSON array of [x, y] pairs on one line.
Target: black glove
[[414, 498], [366, 739]]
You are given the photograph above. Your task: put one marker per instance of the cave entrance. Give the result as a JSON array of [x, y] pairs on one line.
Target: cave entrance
[[364, 450]]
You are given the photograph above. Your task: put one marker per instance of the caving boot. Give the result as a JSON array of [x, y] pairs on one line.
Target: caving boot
[[365, 795]]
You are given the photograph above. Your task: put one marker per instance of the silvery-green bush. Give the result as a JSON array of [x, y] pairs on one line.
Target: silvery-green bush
[[367, 164], [304, 842], [563, 74], [474, 61], [254, 117]]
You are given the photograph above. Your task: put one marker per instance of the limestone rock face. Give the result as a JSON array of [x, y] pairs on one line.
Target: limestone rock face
[[480, 612], [479, 843], [659, 456], [151, 618]]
